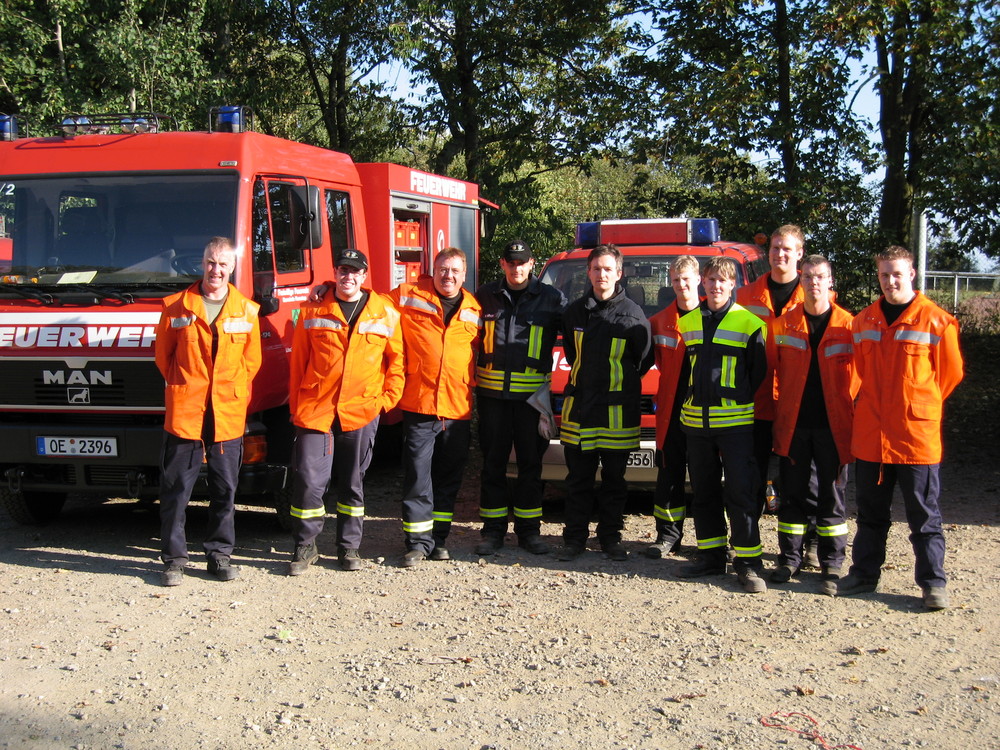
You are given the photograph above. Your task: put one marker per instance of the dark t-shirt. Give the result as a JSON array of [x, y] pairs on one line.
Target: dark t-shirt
[[450, 306], [351, 310], [812, 409], [781, 293], [891, 311]]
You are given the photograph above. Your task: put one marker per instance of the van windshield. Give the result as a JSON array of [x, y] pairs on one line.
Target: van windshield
[[119, 231], [646, 279]]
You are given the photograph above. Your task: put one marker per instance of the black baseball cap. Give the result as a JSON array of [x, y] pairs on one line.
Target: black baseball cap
[[518, 251], [353, 258]]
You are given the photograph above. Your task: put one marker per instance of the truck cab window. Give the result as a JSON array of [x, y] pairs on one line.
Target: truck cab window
[[277, 230], [338, 216]]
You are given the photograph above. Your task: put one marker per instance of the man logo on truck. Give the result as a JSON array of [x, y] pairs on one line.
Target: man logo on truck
[[76, 377]]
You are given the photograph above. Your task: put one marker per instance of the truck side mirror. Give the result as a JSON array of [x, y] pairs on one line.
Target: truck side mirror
[[307, 216]]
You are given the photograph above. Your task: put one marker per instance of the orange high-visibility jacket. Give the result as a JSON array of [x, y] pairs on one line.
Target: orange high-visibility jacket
[[440, 362], [668, 349], [835, 358], [184, 357], [354, 377], [756, 298], [907, 370]]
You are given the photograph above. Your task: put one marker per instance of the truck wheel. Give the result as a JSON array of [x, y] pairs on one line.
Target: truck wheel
[[32, 508], [281, 501]]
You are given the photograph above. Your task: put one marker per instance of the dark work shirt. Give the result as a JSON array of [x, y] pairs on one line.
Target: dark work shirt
[[781, 293], [515, 294], [450, 306], [891, 311], [351, 310], [812, 408]]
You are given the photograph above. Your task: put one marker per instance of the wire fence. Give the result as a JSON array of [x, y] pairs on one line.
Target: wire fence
[[961, 283]]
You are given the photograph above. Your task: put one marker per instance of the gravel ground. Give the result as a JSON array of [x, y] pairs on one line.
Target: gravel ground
[[518, 651]]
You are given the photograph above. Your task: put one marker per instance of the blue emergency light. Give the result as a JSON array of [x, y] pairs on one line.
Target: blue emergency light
[[8, 127], [703, 231], [588, 234], [231, 118]]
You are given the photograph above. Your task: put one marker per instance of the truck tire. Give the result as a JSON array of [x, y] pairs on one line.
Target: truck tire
[[32, 508]]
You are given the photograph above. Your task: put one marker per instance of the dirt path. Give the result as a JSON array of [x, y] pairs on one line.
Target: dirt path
[[517, 652]]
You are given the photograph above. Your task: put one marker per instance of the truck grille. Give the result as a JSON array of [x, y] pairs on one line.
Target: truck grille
[[101, 384]]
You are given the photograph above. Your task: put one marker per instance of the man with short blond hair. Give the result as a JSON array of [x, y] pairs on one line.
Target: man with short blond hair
[[726, 347], [768, 297], [669, 498], [908, 357], [208, 351]]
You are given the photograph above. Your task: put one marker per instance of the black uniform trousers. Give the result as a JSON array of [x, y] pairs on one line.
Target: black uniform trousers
[[812, 491], [583, 497], [180, 463], [921, 488], [434, 455], [763, 443], [670, 505], [506, 424], [710, 453], [344, 455]]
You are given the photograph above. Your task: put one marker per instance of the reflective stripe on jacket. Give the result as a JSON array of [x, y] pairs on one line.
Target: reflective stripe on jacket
[[725, 369], [907, 370], [515, 358], [351, 377], [607, 345], [184, 357], [835, 359], [756, 298], [668, 348], [440, 362]]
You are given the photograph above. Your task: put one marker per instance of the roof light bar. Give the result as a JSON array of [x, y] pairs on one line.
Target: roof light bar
[[116, 122], [647, 232]]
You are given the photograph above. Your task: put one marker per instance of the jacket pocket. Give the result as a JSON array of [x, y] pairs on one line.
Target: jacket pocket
[[927, 410]]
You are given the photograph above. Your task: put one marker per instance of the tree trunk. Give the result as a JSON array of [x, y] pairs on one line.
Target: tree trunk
[[786, 123]]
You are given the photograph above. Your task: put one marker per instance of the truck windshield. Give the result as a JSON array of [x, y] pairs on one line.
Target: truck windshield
[[111, 231], [646, 279]]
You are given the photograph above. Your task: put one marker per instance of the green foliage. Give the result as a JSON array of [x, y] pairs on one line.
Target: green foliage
[[565, 111]]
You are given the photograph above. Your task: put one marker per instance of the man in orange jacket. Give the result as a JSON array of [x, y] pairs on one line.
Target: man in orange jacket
[[669, 500], [442, 326], [346, 369], [908, 358], [208, 351], [812, 427], [767, 297]]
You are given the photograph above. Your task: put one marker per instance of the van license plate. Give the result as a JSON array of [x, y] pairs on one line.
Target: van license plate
[[641, 459], [50, 445]]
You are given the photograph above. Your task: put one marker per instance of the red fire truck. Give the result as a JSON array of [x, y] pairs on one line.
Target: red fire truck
[[97, 225], [649, 247]]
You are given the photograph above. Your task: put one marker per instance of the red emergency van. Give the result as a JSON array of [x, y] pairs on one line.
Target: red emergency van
[[98, 224], [649, 246]]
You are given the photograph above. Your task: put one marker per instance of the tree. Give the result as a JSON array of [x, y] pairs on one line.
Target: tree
[[937, 78], [106, 55], [510, 85]]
